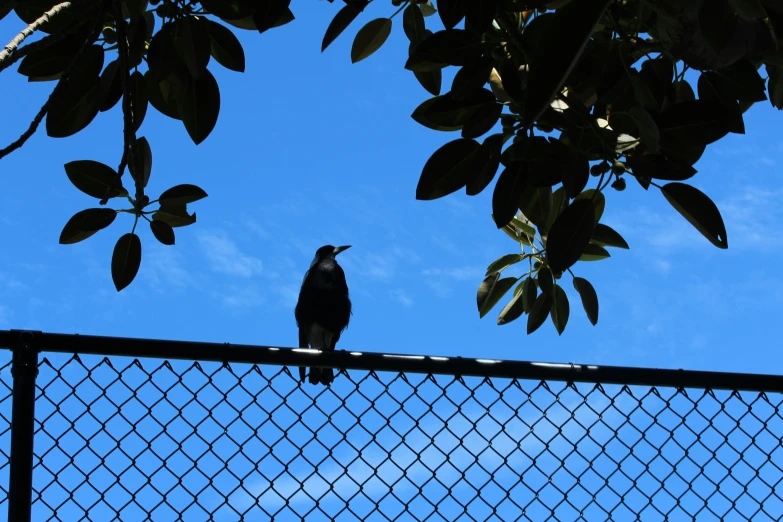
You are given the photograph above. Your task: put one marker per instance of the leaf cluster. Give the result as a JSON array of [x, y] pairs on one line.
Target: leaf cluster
[[558, 101], [102, 57]]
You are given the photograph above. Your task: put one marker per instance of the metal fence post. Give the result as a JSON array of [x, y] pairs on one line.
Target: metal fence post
[[24, 370]]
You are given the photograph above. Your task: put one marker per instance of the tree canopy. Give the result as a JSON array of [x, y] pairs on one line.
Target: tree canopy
[[560, 100]]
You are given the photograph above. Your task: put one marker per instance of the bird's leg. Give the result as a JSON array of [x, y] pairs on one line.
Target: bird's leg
[[327, 374]]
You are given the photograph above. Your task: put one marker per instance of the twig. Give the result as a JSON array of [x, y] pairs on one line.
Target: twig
[[129, 141], [30, 130], [29, 30], [45, 109]]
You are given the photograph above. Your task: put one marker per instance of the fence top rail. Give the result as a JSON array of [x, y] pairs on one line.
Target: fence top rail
[[372, 361]]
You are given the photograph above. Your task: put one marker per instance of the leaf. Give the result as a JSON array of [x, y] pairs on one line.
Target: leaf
[[744, 81], [570, 234], [491, 290], [86, 223], [529, 294], [192, 43], [199, 106], [427, 9], [749, 9], [453, 47], [413, 23], [604, 235], [137, 32], [557, 53], [430, 80], [470, 78], [225, 48], [444, 113], [648, 129], [484, 165], [231, 9], [162, 232], [451, 12], [560, 309], [717, 28], [575, 173], [589, 298], [341, 21], [523, 226], [143, 160], [51, 60], [163, 57], [174, 215], [539, 313], [513, 309], [775, 86], [504, 262], [6, 6], [657, 166], [370, 38], [537, 204], [696, 121], [594, 253], [483, 119], [712, 88], [559, 199], [140, 102], [699, 210], [167, 104], [87, 69], [109, 87], [125, 260], [683, 91], [479, 14], [271, 14], [446, 170], [508, 194], [181, 195], [95, 179], [545, 280], [598, 199], [71, 111]]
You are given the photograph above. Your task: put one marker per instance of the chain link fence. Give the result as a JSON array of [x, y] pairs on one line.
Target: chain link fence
[[120, 438]]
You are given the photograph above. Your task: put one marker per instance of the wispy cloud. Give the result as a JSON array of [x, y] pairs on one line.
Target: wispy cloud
[[241, 297], [752, 217], [440, 280], [224, 256], [289, 294], [402, 297], [163, 268], [380, 267], [462, 273], [257, 229]]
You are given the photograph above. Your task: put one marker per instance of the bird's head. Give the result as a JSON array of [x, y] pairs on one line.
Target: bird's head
[[327, 252]]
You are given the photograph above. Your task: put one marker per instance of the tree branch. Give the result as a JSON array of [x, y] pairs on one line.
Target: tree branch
[[45, 108], [30, 130], [28, 31], [129, 155]]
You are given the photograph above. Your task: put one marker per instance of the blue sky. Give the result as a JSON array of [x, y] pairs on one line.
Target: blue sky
[[310, 149]]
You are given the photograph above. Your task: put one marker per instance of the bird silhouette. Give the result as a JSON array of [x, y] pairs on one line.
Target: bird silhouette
[[323, 309]]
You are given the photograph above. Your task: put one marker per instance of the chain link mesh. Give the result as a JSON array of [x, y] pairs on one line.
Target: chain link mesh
[[127, 439]]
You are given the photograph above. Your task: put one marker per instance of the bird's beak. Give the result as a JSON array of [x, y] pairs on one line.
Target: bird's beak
[[339, 249]]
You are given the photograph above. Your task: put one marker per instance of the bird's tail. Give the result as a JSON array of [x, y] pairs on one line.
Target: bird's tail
[[323, 376], [320, 340]]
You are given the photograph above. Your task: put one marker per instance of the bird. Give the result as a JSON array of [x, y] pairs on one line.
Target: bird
[[323, 309]]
